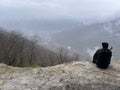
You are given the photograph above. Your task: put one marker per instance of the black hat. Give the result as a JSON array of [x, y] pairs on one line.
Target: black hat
[[105, 44]]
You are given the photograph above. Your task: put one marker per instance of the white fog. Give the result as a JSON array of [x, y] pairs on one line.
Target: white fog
[[79, 25]]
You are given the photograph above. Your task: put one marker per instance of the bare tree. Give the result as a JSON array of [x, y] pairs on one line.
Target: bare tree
[[17, 50]]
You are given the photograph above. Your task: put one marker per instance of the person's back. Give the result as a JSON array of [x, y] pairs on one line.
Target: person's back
[[102, 57]]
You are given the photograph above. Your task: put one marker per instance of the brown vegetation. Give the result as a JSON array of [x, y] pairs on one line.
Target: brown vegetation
[[17, 50]]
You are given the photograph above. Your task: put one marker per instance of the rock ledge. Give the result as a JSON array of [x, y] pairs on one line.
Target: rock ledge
[[81, 75]]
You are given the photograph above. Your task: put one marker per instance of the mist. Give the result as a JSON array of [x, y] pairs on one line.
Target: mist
[[80, 25], [45, 16], [55, 9]]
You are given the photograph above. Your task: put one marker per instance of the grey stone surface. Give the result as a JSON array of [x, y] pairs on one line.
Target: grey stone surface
[[73, 76]]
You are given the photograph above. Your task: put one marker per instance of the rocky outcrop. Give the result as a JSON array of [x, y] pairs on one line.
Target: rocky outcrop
[[73, 76]]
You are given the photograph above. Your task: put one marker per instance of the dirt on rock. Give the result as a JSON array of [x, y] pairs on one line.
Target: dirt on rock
[[82, 75]]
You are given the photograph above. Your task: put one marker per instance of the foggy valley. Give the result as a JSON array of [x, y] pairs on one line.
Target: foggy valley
[[76, 36], [68, 24]]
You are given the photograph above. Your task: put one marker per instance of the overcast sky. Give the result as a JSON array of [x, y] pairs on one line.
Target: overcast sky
[[74, 9]]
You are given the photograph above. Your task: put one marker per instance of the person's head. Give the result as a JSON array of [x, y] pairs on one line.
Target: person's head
[[105, 44]]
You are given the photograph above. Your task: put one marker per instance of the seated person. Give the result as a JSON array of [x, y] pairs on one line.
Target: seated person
[[102, 57]]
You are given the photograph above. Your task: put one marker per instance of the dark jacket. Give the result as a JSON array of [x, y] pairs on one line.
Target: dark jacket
[[102, 57]]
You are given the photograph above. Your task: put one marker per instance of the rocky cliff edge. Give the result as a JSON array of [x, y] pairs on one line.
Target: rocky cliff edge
[[81, 75]]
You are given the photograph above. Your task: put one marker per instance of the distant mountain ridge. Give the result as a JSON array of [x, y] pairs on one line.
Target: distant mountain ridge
[[78, 35], [89, 36]]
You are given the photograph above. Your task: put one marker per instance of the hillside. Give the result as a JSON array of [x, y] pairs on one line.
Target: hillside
[[20, 51], [73, 76], [85, 37]]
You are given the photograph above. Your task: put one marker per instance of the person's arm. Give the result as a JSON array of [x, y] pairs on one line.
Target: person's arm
[[110, 48]]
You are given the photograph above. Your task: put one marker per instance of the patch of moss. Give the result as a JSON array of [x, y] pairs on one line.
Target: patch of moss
[[7, 67], [31, 67]]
